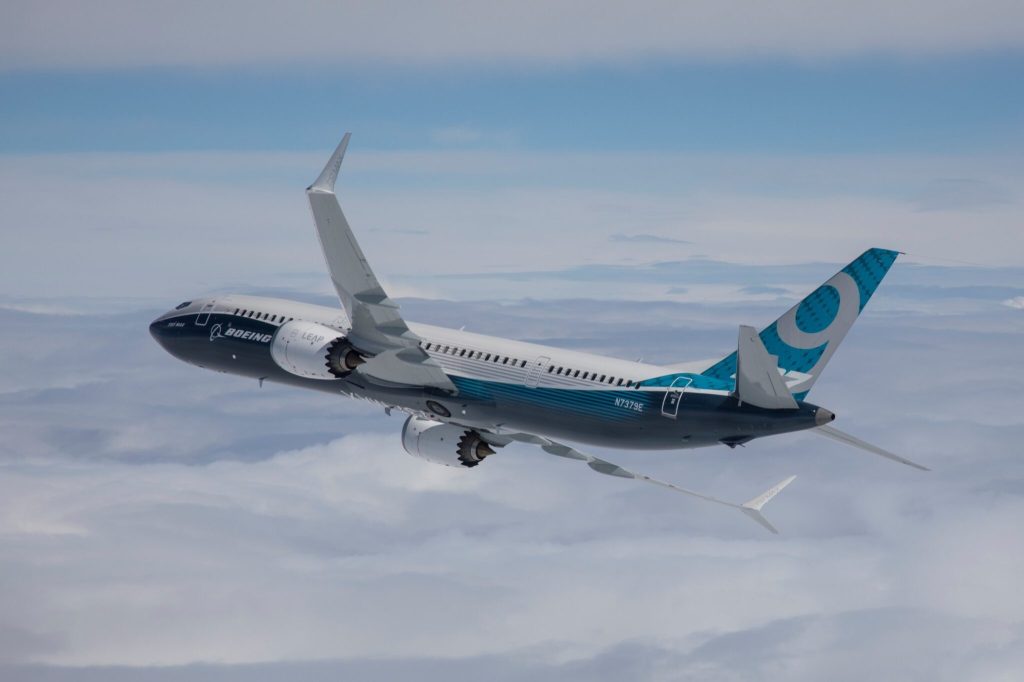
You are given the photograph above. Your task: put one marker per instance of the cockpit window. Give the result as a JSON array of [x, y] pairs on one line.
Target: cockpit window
[[184, 304]]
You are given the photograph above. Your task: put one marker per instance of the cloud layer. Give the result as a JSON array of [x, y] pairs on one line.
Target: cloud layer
[[156, 514], [214, 219], [121, 34]]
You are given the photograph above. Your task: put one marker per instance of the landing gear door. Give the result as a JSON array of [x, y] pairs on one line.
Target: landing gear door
[[204, 314], [674, 396], [539, 366]]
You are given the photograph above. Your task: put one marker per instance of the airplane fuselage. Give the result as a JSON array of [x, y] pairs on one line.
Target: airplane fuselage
[[516, 386]]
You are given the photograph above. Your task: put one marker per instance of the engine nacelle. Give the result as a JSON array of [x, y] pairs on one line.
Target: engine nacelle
[[313, 351], [440, 443]]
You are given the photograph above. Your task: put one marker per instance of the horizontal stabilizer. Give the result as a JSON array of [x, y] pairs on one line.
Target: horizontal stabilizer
[[837, 435], [758, 381]]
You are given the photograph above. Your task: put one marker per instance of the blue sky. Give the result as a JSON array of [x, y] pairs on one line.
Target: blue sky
[[629, 180], [862, 105]]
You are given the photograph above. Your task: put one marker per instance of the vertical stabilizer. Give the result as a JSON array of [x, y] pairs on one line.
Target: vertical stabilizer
[[805, 338]]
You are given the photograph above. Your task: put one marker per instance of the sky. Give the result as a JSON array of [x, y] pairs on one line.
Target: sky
[[635, 180]]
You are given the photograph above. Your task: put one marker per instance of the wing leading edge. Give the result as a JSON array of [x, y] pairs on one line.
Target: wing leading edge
[[377, 325]]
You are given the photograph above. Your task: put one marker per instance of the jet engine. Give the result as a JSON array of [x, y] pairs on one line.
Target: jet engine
[[314, 351], [447, 444]]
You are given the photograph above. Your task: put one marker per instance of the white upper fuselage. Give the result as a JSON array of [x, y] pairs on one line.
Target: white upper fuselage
[[478, 355]]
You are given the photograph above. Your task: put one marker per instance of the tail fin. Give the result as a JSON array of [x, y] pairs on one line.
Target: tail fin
[[805, 338]]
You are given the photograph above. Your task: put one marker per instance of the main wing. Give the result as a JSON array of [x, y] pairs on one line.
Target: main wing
[[378, 329], [751, 508]]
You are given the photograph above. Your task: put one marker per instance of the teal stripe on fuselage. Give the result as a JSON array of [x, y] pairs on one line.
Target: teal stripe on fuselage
[[593, 403], [697, 381]]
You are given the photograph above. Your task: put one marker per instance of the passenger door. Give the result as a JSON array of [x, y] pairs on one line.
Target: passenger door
[[674, 396], [533, 374]]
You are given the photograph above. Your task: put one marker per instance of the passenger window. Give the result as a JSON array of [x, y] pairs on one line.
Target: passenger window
[[523, 363], [601, 379], [620, 382], [551, 368], [576, 374]]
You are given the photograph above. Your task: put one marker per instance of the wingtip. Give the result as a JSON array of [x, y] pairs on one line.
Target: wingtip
[[329, 175]]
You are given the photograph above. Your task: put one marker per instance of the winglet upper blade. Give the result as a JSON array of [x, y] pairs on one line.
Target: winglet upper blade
[[329, 175], [761, 500]]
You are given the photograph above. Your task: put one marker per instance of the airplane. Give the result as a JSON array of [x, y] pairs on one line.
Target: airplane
[[468, 395]]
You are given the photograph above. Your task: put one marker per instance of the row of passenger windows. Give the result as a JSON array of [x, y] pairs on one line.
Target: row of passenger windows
[[591, 376], [515, 362], [474, 354], [262, 316]]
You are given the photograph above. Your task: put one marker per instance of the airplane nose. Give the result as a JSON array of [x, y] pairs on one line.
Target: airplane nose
[[158, 329], [823, 416]]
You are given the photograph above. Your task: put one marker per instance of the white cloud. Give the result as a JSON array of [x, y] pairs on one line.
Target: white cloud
[[346, 548], [1015, 302], [198, 222], [123, 34]]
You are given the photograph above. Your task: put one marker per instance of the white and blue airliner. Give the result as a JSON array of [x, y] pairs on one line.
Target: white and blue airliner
[[468, 395]]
